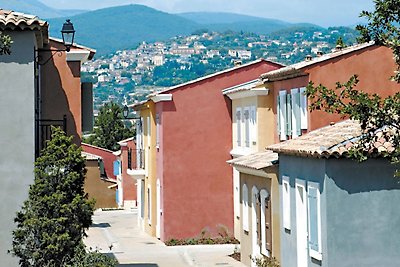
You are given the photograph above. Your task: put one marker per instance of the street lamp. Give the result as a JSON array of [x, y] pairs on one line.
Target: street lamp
[[68, 35], [125, 112]]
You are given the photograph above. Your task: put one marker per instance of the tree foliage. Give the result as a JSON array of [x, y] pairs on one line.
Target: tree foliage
[[109, 128], [53, 220], [5, 44], [383, 28]]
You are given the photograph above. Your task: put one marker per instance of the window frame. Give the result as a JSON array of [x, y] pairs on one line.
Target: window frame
[[245, 208], [316, 254], [286, 207]]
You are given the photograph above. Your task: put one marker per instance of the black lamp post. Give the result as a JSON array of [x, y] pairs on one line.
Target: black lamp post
[[125, 112], [68, 35]]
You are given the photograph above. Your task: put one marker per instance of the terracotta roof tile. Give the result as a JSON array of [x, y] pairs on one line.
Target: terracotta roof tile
[[256, 161], [336, 141], [11, 20]]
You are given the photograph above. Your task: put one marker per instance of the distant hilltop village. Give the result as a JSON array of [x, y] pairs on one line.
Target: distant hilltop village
[[130, 75]]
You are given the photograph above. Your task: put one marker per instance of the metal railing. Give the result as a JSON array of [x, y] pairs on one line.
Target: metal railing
[[138, 162]]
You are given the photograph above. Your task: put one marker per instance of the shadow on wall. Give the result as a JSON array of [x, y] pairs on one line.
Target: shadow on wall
[[371, 175], [56, 80]]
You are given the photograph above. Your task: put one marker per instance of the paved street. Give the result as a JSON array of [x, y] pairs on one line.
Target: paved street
[[118, 230]]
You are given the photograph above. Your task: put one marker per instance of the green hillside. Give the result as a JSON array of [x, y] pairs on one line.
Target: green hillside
[[37, 8], [220, 21], [223, 17], [110, 29]]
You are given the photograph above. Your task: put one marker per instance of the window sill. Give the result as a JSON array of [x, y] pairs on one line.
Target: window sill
[[316, 255]]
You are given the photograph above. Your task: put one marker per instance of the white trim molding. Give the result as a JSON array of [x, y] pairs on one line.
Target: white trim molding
[[250, 171], [78, 55], [248, 93], [161, 97]]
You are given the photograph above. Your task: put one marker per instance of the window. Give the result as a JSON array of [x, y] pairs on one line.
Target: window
[[245, 207], [101, 167], [239, 126], [158, 131], [314, 221], [129, 158], [291, 113], [246, 114], [286, 202], [266, 221]]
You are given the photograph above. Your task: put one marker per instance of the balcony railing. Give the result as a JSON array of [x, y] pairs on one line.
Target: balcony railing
[[44, 132], [138, 163]]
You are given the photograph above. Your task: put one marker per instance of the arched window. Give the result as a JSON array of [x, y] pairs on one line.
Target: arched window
[[245, 207]]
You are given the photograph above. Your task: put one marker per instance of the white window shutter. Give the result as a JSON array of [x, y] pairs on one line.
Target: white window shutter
[[253, 123], [296, 113], [246, 114], [286, 202], [303, 109], [282, 115], [314, 220], [289, 114], [239, 127]]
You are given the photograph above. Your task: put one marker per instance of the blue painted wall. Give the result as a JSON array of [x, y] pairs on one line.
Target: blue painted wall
[[363, 203], [360, 211]]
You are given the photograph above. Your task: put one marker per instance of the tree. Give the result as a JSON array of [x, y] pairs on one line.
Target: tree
[[5, 44], [53, 220], [379, 117], [109, 128], [339, 42]]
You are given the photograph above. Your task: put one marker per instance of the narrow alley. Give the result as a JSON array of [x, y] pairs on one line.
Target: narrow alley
[[116, 232]]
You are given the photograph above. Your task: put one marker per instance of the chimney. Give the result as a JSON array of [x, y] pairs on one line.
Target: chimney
[[319, 53], [308, 58]]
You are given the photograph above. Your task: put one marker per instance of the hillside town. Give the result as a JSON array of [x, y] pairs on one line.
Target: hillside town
[[130, 75], [212, 149]]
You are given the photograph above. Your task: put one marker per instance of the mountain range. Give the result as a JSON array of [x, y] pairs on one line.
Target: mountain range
[[124, 27]]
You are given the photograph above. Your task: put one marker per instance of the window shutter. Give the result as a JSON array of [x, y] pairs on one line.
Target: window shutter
[[117, 169], [296, 113], [253, 122], [278, 115], [303, 109], [289, 114], [283, 115], [238, 127], [268, 228], [313, 218], [247, 127]]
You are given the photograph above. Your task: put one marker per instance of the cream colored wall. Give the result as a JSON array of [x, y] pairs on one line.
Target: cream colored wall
[[149, 145], [266, 121], [269, 183]]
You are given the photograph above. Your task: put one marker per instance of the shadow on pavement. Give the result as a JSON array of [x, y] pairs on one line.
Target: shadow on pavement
[[138, 265]]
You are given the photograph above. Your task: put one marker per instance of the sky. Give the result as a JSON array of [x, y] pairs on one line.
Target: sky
[[322, 12]]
